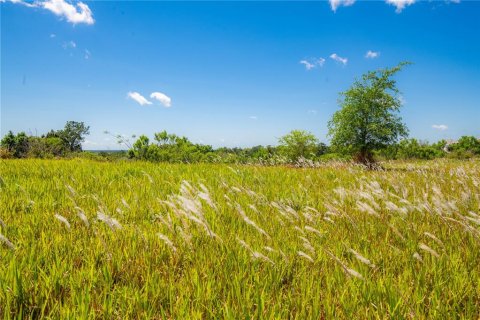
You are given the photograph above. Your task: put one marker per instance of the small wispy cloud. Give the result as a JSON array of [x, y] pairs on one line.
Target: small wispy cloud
[[372, 54], [52, 35], [313, 63], [441, 127], [337, 58], [400, 4], [69, 45], [312, 111], [253, 117], [138, 98], [87, 54], [334, 4], [163, 98]]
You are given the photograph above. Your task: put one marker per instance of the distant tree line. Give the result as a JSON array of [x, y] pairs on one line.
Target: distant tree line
[[55, 143], [366, 127]]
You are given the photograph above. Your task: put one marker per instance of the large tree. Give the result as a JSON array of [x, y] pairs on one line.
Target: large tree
[[73, 135], [368, 119]]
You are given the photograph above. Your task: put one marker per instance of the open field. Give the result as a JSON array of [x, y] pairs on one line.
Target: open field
[[83, 239]]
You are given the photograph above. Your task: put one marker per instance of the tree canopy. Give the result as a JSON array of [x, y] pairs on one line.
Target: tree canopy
[[368, 119]]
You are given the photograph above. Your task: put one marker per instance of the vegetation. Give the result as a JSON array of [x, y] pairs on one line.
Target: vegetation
[[368, 119], [84, 239]]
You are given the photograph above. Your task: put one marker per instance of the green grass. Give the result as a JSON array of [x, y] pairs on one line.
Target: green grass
[[240, 241]]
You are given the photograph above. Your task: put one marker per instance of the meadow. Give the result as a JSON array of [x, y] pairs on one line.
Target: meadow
[[81, 239]]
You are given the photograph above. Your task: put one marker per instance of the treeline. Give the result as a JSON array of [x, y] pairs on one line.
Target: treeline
[[296, 147], [55, 143]]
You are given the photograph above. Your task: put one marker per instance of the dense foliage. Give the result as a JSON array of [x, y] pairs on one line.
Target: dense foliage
[[368, 119]]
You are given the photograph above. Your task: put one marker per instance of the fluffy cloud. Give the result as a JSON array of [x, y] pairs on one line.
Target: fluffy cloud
[[400, 4], [339, 3], [138, 98], [372, 54], [313, 63], [441, 127], [337, 58], [163, 98], [79, 13]]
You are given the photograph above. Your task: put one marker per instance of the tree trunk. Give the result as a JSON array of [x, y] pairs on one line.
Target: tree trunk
[[365, 157]]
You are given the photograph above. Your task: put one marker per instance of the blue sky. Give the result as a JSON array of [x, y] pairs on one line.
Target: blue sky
[[232, 73]]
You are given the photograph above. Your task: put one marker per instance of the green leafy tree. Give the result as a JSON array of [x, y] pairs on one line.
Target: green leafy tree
[[368, 118], [140, 148], [298, 143], [17, 145], [73, 135]]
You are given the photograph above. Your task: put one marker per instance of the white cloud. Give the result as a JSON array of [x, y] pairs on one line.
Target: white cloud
[[338, 3], [307, 64], [400, 4], [26, 4], [53, 35], [80, 13], [313, 63], [253, 117], [138, 98], [337, 58], [441, 127], [372, 54], [87, 54], [163, 98], [312, 111]]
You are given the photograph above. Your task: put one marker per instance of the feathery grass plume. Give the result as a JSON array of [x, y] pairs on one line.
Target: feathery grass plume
[[63, 220], [397, 232], [82, 216], [244, 244], [434, 238], [253, 208], [260, 256], [299, 230], [167, 241], [149, 177], [354, 273], [6, 242], [2, 224], [329, 220], [361, 258], [125, 204], [428, 249], [205, 196], [417, 256], [109, 221], [72, 191], [346, 269], [269, 249], [307, 245], [312, 229], [250, 222], [363, 207], [305, 256]]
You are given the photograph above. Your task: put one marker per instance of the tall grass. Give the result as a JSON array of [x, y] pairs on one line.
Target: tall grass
[[82, 239]]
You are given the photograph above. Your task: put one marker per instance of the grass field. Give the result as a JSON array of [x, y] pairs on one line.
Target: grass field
[[82, 239]]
